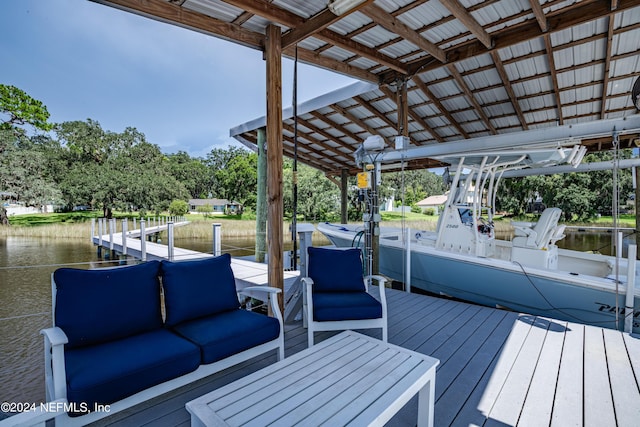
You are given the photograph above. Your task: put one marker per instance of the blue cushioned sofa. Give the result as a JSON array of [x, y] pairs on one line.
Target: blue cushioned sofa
[[124, 335]]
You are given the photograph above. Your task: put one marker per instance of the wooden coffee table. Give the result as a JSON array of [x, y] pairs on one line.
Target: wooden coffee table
[[349, 379]]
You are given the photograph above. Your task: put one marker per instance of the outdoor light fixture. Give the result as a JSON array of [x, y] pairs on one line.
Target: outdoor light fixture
[[340, 7]]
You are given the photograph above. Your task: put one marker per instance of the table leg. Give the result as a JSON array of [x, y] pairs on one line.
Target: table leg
[[426, 397]]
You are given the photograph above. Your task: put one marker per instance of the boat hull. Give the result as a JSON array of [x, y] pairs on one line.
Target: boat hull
[[496, 283]]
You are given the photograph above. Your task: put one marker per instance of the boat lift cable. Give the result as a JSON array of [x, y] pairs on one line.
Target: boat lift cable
[[294, 175], [615, 198]]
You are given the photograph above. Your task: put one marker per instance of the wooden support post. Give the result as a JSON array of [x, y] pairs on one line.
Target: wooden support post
[[261, 202], [273, 54], [344, 202]]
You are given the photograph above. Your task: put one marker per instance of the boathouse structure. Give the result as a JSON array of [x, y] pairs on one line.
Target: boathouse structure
[[433, 71]]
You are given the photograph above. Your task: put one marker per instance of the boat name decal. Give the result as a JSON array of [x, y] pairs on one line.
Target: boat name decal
[[612, 309], [452, 226]]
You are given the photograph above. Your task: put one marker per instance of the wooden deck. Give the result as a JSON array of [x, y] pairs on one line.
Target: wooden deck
[[497, 368]]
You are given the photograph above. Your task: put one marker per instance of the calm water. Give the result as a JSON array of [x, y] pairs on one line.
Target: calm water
[[26, 265]]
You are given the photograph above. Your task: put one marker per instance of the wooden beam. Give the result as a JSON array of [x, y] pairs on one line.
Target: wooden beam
[[410, 113], [463, 15], [539, 14], [463, 86], [312, 57], [282, 16], [353, 119], [373, 110], [515, 34], [554, 76], [325, 134], [507, 86], [314, 25], [607, 65], [174, 14], [337, 126], [434, 99], [273, 54], [393, 24]]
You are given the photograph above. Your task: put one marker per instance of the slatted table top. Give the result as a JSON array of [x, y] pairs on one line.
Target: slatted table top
[[349, 379]]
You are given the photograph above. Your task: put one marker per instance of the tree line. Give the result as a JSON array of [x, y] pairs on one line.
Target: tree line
[[78, 163]]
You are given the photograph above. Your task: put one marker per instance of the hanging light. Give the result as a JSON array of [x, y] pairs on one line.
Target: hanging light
[[340, 7]]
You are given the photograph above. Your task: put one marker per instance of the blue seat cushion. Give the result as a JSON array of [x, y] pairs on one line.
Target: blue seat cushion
[[336, 270], [95, 306], [331, 306], [200, 288], [228, 333], [105, 373]]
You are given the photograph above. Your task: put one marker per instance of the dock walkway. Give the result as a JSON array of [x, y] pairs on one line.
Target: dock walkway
[[247, 273], [497, 368]]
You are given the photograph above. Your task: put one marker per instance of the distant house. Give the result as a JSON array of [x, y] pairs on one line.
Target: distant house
[[218, 206], [433, 202]]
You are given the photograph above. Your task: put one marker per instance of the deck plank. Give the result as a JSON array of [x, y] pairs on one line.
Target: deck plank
[[538, 405], [567, 404], [624, 387], [598, 402], [510, 401], [478, 407]]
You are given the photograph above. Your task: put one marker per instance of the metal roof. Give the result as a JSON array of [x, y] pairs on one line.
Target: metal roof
[[472, 68]]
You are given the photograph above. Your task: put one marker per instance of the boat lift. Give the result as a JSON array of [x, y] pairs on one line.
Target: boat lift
[[371, 155]]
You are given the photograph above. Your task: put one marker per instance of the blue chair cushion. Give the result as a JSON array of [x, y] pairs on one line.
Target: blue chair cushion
[[200, 288], [94, 306], [336, 270], [105, 373], [331, 306], [228, 333]]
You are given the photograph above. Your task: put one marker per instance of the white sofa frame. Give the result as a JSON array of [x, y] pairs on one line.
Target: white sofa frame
[[55, 375], [337, 325]]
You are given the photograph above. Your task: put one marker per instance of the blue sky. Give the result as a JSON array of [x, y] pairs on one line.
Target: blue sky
[[182, 89]]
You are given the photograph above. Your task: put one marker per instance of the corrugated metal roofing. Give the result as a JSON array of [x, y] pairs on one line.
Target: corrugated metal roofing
[[501, 67]]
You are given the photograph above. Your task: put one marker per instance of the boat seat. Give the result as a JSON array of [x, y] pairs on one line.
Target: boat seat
[[540, 235]]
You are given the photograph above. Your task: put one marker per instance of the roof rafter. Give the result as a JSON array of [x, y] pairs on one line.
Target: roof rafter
[[330, 137], [605, 79], [434, 99], [539, 14], [507, 86], [337, 126], [554, 76], [276, 14], [373, 110], [463, 15], [515, 34], [465, 88], [346, 114], [314, 25], [311, 139], [415, 117], [393, 24]]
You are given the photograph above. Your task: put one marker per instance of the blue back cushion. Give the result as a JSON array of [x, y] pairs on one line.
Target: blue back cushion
[[335, 270], [199, 288], [95, 306]]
